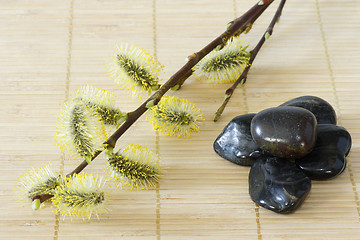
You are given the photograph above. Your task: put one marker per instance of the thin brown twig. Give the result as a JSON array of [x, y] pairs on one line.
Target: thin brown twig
[[243, 77], [238, 25]]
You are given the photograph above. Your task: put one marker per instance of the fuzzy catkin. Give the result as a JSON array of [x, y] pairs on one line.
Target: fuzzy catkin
[[173, 116], [224, 65], [80, 130], [134, 69], [39, 181], [100, 101], [81, 195], [135, 167]]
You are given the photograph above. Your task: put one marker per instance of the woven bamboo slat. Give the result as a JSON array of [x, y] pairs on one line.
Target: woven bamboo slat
[[50, 48]]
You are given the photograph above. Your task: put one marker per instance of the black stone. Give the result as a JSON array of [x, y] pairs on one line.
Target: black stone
[[278, 184], [235, 142], [322, 163], [327, 160], [286, 132], [323, 111], [333, 136]]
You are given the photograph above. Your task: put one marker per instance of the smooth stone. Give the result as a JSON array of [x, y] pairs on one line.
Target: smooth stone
[[286, 132], [334, 136], [278, 184], [323, 163], [235, 142], [327, 160], [323, 111]]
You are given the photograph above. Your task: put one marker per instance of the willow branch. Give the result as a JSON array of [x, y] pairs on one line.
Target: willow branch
[[243, 77], [238, 25]]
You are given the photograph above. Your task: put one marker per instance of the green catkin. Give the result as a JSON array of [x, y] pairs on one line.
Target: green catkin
[[137, 72], [230, 60], [224, 65], [46, 187], [73, 198], [80, 130], [176, 118], [134, 69], [39, 181], [137, 172], [135, 167], [173, 116], [82, 140], [81, 195], [100, 101], [109, 116]]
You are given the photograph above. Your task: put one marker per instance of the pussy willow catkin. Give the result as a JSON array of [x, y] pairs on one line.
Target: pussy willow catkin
[[134, 69], [38, 181], [225, 65], [101, 101], [81, 195], [80, 130], [135, 167], [173, 116]]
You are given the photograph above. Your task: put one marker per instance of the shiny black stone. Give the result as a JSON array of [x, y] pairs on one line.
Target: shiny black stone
[[327, 160], [323, 111], [333, 136], [235, 142], [286, 132], [278, 184], [322, 163]]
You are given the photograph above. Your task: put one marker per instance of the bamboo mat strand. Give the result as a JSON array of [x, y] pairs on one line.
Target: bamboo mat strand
[[246, 110], [50, 48], [157, 138], [337, 104]]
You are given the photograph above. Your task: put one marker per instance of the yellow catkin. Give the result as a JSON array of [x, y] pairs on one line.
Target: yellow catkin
[[102, 102], [82, 195], [173, 116], [224, 65], [135, 167], [134, 69], [79, 130], [38, 181]]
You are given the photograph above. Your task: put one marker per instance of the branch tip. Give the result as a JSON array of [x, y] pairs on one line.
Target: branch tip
[[253, 53]]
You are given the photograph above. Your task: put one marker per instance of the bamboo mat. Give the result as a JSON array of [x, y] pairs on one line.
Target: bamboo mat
[[50, 48]]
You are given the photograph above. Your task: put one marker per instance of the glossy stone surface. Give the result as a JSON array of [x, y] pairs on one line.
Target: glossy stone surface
[[278, 184], [327, 160], [322, 163], [286, 132], [235, 142], [323, 111], [333, 136]]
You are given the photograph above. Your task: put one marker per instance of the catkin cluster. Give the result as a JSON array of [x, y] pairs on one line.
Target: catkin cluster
[[82, 129]]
